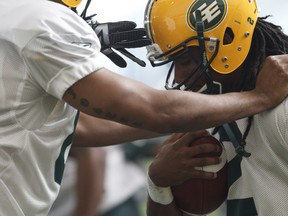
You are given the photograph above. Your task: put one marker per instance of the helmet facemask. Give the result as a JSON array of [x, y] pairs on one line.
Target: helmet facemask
[[202, 64], [201, 71]]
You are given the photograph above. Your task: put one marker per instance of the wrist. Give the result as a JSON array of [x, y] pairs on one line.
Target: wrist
[[262, 100], [161, 195]]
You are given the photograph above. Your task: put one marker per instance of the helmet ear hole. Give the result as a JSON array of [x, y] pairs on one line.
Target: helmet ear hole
[[228, 36]]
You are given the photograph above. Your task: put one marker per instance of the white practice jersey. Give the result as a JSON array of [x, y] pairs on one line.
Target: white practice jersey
[[258, 185], [44, 49]]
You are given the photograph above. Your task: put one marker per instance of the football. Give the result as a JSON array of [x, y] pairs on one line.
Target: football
[[203, 196]]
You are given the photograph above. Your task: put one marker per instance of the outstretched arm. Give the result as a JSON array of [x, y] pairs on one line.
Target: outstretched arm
[[109, 96], [93, 131]]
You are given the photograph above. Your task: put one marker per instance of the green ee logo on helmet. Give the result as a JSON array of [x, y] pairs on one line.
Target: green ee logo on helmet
[[212, 13]]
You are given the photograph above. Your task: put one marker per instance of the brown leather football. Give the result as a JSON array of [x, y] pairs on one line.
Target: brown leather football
[[203, 196]]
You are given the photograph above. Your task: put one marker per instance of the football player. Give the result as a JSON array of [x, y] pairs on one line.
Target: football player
[[51, 70], [217, 47]]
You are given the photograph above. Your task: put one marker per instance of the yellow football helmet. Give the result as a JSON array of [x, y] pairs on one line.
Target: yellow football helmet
[[222, 28], [72, 3]]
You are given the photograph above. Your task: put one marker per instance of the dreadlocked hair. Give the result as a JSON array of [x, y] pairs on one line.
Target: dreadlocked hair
[[268, 39]]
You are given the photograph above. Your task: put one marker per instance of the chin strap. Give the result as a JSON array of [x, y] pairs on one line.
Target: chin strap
[[230, 132], [230, 129]]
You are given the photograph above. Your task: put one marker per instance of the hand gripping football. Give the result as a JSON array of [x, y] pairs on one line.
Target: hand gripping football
[[203, 196]]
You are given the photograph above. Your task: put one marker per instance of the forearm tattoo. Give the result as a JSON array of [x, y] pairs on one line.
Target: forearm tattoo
[[99, 112]]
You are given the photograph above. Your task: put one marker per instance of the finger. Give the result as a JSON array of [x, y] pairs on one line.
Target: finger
[[199, 174], [188, 138], [114, 57], [132, 44], [204, 161], [132, 57], [172, 138], [195, 171], [128, 35], [199, 133], [203, 149], [177, 136], [121, 26]]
